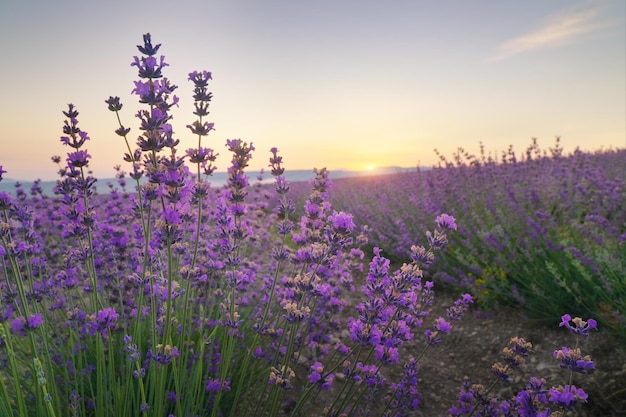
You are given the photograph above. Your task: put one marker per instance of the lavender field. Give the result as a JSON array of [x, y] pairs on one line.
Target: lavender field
[[542, 230], [168, 296]]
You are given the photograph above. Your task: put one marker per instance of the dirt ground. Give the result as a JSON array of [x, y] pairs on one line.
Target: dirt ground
[[476, 342]]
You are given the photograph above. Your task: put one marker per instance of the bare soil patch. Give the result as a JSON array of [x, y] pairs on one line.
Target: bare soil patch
[[476, 343]]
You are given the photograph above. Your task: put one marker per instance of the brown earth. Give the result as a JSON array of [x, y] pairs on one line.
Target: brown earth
[[476, 342]]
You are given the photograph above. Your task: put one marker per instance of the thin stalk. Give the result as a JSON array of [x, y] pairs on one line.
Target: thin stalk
[[351, 385], [241, 386], [491, 387], [309, 389], [187, 295], [16, 379]]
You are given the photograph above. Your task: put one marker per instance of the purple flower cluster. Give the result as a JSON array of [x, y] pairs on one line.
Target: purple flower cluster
[[323, 265], [103, 321], [568, 396], [580, 328], [395, 307], [20, 324], [573, 359], [404, 396]]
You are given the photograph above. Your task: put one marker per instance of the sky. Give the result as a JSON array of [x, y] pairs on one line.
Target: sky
[[351, 84]]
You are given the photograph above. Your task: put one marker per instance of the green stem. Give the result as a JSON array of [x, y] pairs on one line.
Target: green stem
[[491, 387], [244, 386], [16, 379]]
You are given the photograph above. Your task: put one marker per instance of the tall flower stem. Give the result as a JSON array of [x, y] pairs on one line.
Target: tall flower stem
[[19, 398]]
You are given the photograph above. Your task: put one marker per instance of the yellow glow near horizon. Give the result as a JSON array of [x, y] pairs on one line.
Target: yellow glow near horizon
[[372, 108]]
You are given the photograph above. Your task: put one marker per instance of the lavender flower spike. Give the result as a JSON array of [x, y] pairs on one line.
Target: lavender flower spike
[[574, 360], [445, 221], [568, 396], [581, 327]]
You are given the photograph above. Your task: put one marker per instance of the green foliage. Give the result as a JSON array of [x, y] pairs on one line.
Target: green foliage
[[543, 233]]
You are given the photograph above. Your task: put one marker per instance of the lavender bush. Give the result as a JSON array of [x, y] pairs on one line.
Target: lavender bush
[[545, 232], [178, 299]]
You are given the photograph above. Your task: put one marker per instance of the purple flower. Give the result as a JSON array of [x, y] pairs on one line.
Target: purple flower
[[364, 334], [78, 159], [316, 376], [35, 321], [515, 353], [76, 138], [114, 103], [342, 222], [201, 128], [442, 325], [147, 48], [328, 382], [369, 373], [580, 328], [17, 326], [386, 354], [148, 67], [573, 359], [529, 401], [406, 396], [465, 400], [275, 163], [445, 221], [421, 256], [107, 316], [432, 338], [316, 370], [103, 320], [503, 373], [455, 313], [437, 240], [200, 79], [214, 385], [163, 355], [568, 396]]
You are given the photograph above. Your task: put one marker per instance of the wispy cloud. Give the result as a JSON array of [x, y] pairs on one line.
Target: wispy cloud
[[557, 30]]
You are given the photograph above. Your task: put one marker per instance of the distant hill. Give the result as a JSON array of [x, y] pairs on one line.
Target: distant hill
[[217, 180]]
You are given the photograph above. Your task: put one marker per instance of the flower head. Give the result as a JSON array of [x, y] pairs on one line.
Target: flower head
[[342, 222], [567, 396], [147, 48], [445, 221], [316, 372], [581, 327], [114, 103], [78, 159], [574, 360], [35, 321], [200, 78]]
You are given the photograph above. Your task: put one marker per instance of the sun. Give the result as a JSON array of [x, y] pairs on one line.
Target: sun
[[370, 167]]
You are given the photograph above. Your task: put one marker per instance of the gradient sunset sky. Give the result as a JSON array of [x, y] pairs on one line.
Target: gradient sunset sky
[[341, 84]]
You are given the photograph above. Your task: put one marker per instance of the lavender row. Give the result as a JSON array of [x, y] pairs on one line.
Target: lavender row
[[546, 231]]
